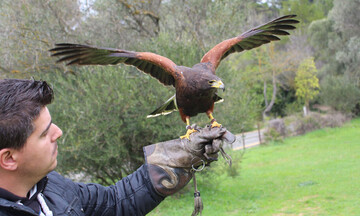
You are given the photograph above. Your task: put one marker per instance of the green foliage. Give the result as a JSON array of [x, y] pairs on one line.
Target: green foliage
[[306, 82], [28, 38], [336, 40], [293, 108], [307, 11], [102, 113], [350, 58], [340, 92], [272, 135], [234, 170], [242, 103], [181, 52], [207, 23], [326, 43], [308, 123], [346, 17], [212, 176], [298, 124], [337, 48]]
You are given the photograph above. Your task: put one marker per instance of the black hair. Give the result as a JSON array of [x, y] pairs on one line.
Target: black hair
[[20, 104]]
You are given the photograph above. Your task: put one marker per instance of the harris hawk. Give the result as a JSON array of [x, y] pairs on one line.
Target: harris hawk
[[195, 87]]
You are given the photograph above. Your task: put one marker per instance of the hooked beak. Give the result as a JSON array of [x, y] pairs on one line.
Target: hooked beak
[[218, 84]]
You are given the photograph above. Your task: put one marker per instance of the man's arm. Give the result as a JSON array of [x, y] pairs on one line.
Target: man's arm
[[133, 195], [143, 190]]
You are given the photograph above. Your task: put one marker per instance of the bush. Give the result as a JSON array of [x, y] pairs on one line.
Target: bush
[[298, 124], [234, 170], [340, 92], [275, 130], [315, 121], [293, 108], [272, 135], [308, 123], [103, 117]]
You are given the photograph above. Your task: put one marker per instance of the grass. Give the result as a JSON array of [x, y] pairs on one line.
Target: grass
[[314, 174]]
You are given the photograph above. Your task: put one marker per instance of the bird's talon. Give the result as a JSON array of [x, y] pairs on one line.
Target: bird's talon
[[215, 124], [188, 132]]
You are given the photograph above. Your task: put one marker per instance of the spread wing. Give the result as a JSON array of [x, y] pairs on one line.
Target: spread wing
[[155, 65], [253, 38]]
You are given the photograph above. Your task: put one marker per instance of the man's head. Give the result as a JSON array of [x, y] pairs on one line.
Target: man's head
[[20, 104], [28, 146]]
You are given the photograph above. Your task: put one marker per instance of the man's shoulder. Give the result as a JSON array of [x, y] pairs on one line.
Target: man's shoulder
[[58, 178], [54, 174], [62, 194], [59, 184]]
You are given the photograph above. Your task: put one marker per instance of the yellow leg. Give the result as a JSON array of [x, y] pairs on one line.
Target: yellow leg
[[188, 131], [213, 121]]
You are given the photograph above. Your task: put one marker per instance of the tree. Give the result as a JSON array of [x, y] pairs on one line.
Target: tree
[[102, 109], [209, 22], [102, 112], [340, 93], [276, 66], [120, 23], [346, 20], [307, 10], [326, 42], [29, 29], [306, 82], [336, 41]]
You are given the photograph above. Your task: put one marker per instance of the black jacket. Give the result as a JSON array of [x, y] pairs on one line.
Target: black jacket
[[133, 195]]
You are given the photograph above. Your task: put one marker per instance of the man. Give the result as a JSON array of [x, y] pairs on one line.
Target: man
[[28, 152]]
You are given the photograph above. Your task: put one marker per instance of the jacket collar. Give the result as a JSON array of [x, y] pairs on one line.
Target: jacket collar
[[10, 200], [13, 205]]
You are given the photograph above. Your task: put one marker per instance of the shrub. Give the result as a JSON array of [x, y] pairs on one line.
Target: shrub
[[298, 124], [308, 123], [340, 92], [103, 117], [276, 130]]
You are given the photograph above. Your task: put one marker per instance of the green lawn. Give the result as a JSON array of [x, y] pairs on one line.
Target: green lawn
[[314, 174]]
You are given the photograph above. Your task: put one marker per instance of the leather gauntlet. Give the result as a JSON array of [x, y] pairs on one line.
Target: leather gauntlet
[[170, 163]]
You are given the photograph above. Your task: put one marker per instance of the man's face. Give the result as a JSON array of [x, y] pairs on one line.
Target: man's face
[[38, 156]]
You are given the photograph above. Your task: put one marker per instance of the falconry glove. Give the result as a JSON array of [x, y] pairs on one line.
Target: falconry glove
[[170, 163]]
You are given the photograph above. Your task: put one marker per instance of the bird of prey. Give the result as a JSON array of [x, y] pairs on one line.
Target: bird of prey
[[195, 87]]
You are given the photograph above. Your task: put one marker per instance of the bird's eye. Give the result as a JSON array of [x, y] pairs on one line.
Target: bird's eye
[[211, 82]]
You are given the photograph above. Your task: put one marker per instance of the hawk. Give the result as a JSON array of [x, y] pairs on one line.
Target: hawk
[[196, 86]]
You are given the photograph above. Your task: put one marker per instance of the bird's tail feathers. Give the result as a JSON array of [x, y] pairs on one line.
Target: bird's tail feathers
[[168, 107]]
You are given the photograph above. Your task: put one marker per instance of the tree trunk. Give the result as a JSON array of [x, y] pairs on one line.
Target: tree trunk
[[306, 108], [265, 97], [273, 97]]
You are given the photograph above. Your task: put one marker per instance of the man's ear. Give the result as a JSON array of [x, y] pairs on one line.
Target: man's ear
[[8, 159]]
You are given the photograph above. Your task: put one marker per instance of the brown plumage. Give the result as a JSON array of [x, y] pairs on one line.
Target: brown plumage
[[195, 87]]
